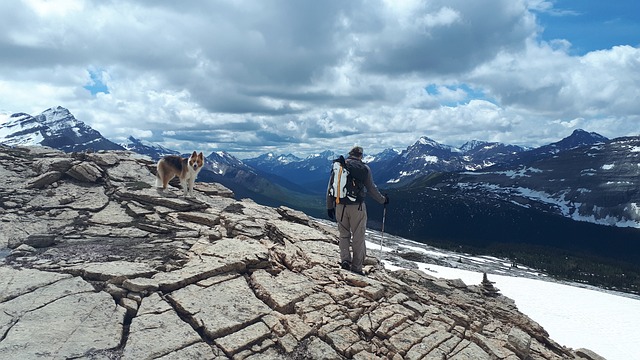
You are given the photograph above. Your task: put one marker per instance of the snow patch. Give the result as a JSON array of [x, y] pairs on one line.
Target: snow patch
[[401, 175], [429, 159], [618, 183], [561, 309], [524, 172]]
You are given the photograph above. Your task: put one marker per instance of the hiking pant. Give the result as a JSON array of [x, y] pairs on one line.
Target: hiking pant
[[352, 223]]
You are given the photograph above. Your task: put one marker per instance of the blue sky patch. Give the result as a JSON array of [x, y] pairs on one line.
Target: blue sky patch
[[97, 85], [592, 25], [470, 94]]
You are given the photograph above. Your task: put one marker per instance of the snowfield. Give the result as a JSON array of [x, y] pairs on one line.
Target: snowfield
[[574, 315]]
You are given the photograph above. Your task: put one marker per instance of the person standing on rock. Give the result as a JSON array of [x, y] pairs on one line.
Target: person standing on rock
[[345, 198]]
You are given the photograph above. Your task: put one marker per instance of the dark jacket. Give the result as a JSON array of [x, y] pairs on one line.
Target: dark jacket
[[369, 188]]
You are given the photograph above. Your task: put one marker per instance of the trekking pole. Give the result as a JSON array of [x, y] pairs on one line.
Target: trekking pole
[[384, 216]]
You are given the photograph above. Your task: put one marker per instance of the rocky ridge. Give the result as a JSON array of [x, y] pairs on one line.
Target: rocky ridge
[[97, 264]]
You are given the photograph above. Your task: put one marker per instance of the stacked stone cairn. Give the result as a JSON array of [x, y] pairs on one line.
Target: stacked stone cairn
[[487, 288]]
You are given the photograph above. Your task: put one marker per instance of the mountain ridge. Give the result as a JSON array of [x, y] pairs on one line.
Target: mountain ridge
[[275, 178], [55, 127]]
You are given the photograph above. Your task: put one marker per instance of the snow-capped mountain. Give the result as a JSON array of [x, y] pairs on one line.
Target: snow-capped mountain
[[265, 188], [54, 127], [597, 183], [220, 162], [385, 155], [426, 156], [482, 154], [271, 160], [578, 138], [150, 149], [308, 173], [584, 200]]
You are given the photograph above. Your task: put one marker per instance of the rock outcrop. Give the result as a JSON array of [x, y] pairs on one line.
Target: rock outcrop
[[95, 263]]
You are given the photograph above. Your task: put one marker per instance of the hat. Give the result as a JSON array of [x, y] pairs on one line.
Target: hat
[[356, 151]]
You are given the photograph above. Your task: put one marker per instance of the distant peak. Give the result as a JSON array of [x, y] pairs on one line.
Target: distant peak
[[473, 144], [20, 115], [424, 140], [57, 109], [585, 134], [134, 140]]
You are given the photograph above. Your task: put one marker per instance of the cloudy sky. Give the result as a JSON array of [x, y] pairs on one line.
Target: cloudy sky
[[302, 76]]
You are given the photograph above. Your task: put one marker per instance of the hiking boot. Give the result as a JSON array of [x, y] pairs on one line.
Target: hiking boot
[[359, 272], [345, 265]]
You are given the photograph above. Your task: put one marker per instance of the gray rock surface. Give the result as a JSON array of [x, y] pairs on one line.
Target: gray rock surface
[[104, 266]]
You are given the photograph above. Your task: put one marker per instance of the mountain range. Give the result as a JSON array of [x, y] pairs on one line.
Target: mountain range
[[579, 194], [585, 176]]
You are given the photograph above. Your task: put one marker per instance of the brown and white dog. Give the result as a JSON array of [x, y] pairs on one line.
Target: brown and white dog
[[186, 169]]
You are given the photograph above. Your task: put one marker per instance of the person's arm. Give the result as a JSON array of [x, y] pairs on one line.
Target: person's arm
[[372, 189]]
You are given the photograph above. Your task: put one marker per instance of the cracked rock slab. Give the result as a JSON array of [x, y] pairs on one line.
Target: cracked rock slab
[[155, 335], [75, 325], [220, 308], [113, 214], [14, 282], [191, 273], [240, 250], [279, 230], [237, 341], [283, 291], [200, 351], [71, 195], [153, 304], [156, 197], [114, 271]]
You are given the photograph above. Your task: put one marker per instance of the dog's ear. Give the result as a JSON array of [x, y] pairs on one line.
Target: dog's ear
[[201, 155], [194, 154]]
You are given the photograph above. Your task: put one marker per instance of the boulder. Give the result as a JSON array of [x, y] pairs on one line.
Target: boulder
[[54, 164], [85, 172], [44, 180]]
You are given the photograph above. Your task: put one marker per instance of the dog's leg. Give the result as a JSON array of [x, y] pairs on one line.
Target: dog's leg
[[192, 182], [184, 184], [159, 175]]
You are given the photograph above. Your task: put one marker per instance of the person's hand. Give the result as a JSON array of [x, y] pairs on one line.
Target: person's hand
[[331, 213], [386, 199]]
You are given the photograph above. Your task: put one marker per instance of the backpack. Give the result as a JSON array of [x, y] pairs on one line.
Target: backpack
[[347, 181]]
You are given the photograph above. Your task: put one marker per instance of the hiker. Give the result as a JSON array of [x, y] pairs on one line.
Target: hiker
[[351, 212]]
